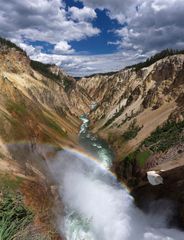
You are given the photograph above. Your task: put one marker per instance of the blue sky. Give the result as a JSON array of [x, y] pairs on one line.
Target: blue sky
[[99, 44], [86, 37]]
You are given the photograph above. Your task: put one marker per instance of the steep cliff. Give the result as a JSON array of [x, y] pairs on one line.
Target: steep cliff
[[40, 107], [140, 112], [132, 104], [37, 97]]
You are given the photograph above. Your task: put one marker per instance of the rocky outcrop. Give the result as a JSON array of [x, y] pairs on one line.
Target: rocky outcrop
[[172, 189]]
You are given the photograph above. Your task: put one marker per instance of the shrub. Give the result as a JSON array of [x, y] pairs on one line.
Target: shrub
[[9, 44], [67, 83], [141, 157], [14, 216], [44, 69], [166, 136], [132, 131], [116, 115]]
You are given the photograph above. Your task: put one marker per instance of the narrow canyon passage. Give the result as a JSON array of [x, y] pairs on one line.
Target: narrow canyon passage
[[96, 206]]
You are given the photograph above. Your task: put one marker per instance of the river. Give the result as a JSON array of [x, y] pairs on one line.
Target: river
[[96, 206]]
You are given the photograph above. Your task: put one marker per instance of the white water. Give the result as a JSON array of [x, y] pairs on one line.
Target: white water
[[98, 208]]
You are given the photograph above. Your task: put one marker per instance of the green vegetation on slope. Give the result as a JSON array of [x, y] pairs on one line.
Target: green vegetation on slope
[[129, 168], [7, 43], [53, 125], [96, 74], [9, 184], [44, 69], [132, 131], [26, 121], [139, 156], [67, 83], [164, 137], [17, 221], [14, 216], [116, 115], [142, 157], [155, 58], [18, 108]]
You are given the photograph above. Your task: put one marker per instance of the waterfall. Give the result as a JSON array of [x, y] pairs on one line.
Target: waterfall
[[97, 207]]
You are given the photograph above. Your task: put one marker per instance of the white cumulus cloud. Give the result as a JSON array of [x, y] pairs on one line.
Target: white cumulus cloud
[[43, 20], [146, 27], [82, 14], [63, 47]]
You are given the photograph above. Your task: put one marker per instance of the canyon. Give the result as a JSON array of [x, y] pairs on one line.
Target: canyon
[[139, 113]]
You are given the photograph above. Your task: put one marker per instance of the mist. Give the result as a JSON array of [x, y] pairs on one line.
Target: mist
[[97, 207]]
